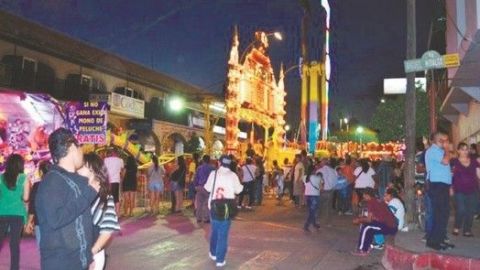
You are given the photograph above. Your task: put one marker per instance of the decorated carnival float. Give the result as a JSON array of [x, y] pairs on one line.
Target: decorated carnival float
[[254, 95]]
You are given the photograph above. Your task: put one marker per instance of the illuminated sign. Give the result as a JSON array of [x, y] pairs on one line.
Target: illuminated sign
[[395, 86]]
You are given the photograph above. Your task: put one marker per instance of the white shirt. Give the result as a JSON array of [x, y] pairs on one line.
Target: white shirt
[[397, 208], [329, 177], [227, 184], [114, 166], [312, 188], [248, 174], [364, 180]]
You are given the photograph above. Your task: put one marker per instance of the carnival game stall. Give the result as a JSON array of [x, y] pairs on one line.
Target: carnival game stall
[[26, 120]]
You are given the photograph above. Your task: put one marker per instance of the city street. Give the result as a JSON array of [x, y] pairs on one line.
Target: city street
[[271, 237]]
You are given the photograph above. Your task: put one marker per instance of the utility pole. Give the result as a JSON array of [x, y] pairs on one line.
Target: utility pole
[[432, 94], [410, 112]]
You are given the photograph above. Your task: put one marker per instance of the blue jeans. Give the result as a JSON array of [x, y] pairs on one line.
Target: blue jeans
[[464, 209], [219, 238], [312, 203]]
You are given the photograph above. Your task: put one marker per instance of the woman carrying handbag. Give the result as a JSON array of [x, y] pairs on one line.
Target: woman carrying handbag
[[222, 184]]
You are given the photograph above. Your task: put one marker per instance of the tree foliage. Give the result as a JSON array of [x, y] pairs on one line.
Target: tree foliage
[[389, 117], [193, 145]]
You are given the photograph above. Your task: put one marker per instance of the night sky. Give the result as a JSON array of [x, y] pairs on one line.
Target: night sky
[[190, 39]]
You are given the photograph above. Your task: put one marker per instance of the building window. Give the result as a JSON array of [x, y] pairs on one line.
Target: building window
[[86, 82], [129, 92], [29, 65]]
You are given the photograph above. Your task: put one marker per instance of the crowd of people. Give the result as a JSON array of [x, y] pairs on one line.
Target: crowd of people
[[74, 210], [71, 210]]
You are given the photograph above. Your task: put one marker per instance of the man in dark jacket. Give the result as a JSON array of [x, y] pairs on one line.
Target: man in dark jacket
[[63, 207]]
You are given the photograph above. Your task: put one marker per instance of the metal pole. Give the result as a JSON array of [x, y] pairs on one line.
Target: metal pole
[[432, 93], [410, 112]]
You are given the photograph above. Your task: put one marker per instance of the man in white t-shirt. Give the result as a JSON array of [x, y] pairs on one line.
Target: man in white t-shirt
[[115, 167], [363, 178]]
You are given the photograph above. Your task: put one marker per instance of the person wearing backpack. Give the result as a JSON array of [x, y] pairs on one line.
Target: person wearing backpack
[[222, 184], [363, 178]]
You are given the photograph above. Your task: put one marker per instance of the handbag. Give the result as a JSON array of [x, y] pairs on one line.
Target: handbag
[[222, 209]]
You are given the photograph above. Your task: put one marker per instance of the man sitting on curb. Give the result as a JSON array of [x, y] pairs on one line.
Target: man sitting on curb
[[379, 220]]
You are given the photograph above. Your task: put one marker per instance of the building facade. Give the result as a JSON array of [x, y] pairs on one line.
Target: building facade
[[461, 106], [34, 58]]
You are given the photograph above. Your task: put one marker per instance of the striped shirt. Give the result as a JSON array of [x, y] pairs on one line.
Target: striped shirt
[[106, 221]]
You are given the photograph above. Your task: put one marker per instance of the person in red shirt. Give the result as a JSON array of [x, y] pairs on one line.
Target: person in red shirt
[[379, 220]]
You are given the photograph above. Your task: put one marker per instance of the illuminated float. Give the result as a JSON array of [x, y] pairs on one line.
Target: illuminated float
[[254, 95]]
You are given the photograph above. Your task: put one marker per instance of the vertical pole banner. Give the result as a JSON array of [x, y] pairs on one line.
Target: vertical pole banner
[[87, 121], [304, 105], [313, 108]]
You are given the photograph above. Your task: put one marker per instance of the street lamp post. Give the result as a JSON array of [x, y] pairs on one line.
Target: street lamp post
[[345, 120]]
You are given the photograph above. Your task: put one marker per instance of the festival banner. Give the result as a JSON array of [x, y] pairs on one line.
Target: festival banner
[[87, 121]]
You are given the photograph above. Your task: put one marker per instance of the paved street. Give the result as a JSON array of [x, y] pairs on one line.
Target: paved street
[[268, 238]]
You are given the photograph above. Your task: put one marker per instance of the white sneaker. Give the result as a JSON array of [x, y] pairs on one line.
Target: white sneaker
[[221, 264], [214, 258]]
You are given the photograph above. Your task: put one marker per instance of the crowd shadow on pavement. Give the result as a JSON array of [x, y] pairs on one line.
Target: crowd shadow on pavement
[[130, 228], [179, 223]]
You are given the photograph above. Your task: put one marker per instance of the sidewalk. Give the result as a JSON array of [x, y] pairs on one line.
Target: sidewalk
[[409, 252]]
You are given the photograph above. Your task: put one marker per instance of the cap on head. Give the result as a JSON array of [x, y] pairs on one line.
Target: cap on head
[[225, 161]]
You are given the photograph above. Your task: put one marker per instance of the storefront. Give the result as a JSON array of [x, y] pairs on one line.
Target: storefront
[[462, 108]]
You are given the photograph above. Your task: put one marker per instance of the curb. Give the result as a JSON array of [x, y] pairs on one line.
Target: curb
[[397, 258]]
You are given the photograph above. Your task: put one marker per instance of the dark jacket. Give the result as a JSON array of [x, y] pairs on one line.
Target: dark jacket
[[31, 203], [179, 176], [63, 204]]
